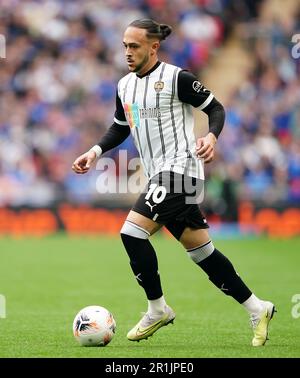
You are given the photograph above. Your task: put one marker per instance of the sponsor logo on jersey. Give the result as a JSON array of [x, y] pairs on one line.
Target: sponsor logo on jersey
[[158, 86], [132, 114], [150, 113], [197, 86]]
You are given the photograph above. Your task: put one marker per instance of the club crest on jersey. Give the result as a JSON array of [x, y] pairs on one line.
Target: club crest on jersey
[[159, 86]]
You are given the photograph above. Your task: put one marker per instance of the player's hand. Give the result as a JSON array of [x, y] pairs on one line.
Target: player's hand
[[83, 163], [205, 147]]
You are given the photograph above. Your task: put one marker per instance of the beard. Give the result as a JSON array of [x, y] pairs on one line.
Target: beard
[[141, 65]]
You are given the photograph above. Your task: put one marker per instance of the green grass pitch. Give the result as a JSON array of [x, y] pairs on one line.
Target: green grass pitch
[[47, 281]]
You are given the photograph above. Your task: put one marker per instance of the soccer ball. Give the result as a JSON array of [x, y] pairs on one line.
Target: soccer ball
[[94, 326]]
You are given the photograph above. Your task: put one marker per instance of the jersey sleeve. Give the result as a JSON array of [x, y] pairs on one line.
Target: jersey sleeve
[[192, 92], [113, 137], [119, 117]]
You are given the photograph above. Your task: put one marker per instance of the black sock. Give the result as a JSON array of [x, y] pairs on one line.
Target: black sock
[[143, 262], [221, 273]]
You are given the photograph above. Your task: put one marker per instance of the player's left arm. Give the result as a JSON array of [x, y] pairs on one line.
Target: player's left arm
[[192, 92]]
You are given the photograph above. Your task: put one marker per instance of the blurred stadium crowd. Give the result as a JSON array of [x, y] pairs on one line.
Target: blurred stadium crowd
[[57, 86], [259, 150]]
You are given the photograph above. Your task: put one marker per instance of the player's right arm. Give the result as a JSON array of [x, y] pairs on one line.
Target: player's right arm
[[114, 136]]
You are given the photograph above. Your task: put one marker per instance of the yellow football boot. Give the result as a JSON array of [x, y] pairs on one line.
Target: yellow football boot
[[260, 324], [150, 324]]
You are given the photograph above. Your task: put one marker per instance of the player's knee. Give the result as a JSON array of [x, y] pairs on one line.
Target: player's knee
[[192, 238], [133, 230], [200, 253]]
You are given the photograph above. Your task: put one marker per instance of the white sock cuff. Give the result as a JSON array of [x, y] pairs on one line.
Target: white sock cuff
[[132, 229], [202, 252], [97, 149], [253, 305], [156, 306]]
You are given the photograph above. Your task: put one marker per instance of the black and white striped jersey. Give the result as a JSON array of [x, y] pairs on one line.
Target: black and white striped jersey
[[158, 108]]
